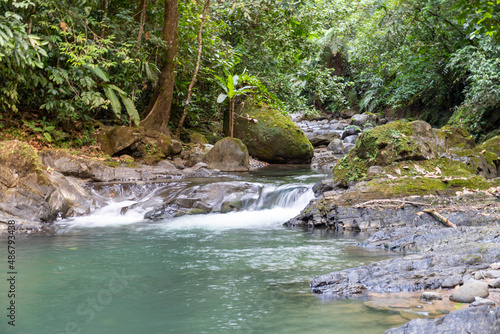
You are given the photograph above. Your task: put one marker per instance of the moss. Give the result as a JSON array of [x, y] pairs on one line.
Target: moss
[[421, 186], [491, 145], [197, 138], [379, 146], [456, 137]]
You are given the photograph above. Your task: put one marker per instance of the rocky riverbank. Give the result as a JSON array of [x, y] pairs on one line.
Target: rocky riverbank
[[407, 183]]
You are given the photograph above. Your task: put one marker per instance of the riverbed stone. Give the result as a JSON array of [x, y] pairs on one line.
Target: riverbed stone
[[228, 155], [324, 159], [431, 295], [482, 302], [350, 139], [495, 283], [323, 139], [467, 292], [336, 146]]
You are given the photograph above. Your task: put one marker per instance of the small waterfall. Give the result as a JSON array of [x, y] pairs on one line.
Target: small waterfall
[[262, 204], [283, 196]]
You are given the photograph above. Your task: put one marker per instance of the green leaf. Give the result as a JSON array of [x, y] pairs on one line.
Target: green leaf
[[37, 129], [230, 86], [98, 72], [221, 98], [121, 92], [49, 128], [115, 103], [221, 82], [47, 136], [132, 112]]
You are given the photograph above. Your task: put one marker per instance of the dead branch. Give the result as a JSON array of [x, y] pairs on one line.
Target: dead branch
[[376, 202], [439, 217]]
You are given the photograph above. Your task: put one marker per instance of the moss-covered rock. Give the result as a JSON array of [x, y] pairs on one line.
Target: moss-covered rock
[[401, 141], [197, 138], [270, 136]]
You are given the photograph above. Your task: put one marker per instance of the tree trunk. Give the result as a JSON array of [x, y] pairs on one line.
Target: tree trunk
[[159, 106], [138, 11], [142, 21], [231, 117], [193, 80], [105, 6]]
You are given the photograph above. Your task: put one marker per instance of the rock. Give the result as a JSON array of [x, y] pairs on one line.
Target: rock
[[477, 320], [467, 292], [118, 139], [228, 155], [482, 302], [362, 119], [197, 138], [323, 139], [348, 113], [495, 266], [81, 167], [165, 164], [350, 139], [350, 132], [324, 159], [487, 274], [206, 198], [322, 186], [274, 137], [452, 281], [176, 147], [195, 154], [399, 141], [375, 170], [347, 148], [31, 194], [429, 295], [336, 146], [495, 283]]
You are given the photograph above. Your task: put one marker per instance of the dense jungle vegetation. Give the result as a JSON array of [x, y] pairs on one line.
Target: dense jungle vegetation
[[68, 66]]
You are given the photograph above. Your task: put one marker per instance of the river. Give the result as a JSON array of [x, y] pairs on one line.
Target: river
[[240, 272]]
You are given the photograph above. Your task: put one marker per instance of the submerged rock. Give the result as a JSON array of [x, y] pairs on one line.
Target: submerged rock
[[273, 137]]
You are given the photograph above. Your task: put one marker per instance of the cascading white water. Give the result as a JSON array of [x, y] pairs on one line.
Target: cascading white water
[[263, 205]]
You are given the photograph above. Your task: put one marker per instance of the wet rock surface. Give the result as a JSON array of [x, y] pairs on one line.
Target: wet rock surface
[[476, 320]]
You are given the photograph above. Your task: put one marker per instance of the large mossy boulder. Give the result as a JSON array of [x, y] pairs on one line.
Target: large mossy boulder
[[228, 155], [271, 136], [399, 146], [151, 146]]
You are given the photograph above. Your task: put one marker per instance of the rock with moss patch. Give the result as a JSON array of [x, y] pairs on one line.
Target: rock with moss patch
[[33, 195], [197, 138], [400, 141], [151, 146], [228, 155], [272, 137]]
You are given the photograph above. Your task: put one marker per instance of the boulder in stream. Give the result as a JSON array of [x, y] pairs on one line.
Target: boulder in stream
[[228, 155], [271, 136]]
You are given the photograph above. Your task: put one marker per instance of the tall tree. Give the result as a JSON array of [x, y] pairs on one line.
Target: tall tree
[[161, 102]]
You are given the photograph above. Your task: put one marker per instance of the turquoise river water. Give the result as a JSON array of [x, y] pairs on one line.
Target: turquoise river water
[[241, 272]]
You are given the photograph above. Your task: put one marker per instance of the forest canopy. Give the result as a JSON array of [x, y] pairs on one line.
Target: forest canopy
[[68, 64]]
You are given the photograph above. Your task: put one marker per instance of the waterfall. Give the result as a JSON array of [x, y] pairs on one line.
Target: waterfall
[[260, 204]]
